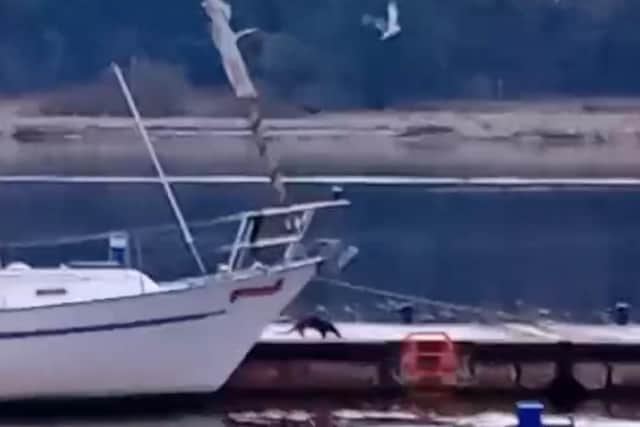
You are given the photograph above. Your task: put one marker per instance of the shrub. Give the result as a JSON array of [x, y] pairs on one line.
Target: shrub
[[159, 89]]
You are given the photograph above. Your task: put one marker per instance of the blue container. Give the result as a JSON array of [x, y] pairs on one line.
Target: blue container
[[406, 313], [119, 248], [622, 314], [530, 414]]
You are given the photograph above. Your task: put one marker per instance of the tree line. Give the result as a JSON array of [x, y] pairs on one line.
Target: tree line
[[318, 52]]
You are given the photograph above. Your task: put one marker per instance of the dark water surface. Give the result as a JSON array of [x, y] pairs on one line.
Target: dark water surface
[[196, 411], [568, 249]]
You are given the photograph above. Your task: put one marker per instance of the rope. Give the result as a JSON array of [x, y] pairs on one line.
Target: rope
[[414, 299], [76, 239]]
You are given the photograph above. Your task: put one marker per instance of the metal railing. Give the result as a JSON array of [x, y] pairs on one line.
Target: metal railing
[[296, 220]]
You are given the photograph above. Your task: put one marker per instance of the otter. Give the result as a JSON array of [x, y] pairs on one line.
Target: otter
[[314, 322]]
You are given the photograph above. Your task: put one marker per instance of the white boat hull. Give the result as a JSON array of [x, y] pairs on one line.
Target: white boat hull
[[181, 341]]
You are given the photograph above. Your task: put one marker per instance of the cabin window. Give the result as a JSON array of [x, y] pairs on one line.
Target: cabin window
[[50, 292]]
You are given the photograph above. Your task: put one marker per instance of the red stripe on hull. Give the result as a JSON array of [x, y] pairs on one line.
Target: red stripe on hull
[[255, 292]]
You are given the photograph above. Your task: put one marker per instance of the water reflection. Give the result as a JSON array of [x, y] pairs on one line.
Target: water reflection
[[355, 411]]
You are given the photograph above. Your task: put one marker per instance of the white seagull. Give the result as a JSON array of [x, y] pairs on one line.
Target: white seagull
[[245, 32], [226, 11], [225, 8], [388, 27]]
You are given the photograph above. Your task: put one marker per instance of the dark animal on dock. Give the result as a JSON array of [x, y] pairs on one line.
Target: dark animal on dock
[[314, 322]]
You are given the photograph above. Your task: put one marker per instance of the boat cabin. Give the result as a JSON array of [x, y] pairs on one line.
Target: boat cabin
[[22, 286]]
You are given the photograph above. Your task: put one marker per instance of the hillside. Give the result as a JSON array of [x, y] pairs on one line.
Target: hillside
[[318, 55]]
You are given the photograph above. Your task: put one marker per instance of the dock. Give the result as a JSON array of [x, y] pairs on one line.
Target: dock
[[515, 357]]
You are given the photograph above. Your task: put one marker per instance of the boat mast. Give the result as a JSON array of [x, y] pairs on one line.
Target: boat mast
[[188, 237]]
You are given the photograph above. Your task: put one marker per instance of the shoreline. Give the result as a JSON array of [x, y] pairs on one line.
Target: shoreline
[[520, 140]]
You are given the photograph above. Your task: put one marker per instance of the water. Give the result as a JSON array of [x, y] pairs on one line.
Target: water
[[568, 250], [324, 411]]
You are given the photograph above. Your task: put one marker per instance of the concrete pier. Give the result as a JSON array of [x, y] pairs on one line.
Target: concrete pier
[[506, 357]]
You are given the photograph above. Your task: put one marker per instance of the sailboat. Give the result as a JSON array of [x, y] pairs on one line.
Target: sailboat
[[109, 330]]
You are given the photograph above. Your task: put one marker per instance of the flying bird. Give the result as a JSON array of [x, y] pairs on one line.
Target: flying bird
[[225, 8], [389, 27], [245, 32], [226, 41]]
